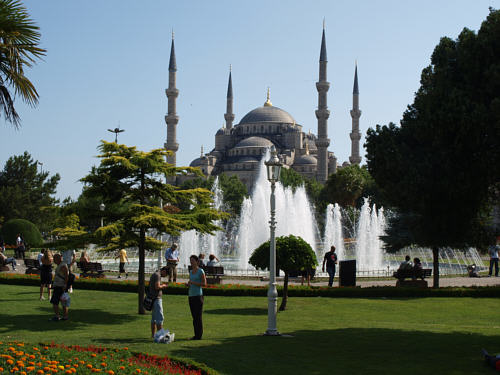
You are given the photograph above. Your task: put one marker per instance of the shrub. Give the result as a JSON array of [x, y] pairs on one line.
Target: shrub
[[29, 231]]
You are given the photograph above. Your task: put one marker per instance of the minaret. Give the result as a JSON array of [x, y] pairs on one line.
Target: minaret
[[322, 114], [171, 118], [355, 114], [229, 115]]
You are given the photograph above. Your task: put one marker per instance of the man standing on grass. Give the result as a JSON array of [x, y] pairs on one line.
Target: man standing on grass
[[60, 285], [155, 292], [123, 258], [172, 258], [493, 252]]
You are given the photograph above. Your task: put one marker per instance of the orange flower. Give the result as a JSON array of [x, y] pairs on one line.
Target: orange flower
[[30, 368], [125, 348], [15, 369], [40, 372], [68, 372], [111, 372], [138, 370], [23, 373], [93, 354], [10, 362], [121, 368], [1, 369], [104, 364], [31, 363], [89, 366], [35, 349], [75, 365]]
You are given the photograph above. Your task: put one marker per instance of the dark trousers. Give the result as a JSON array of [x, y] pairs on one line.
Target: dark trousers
[[331, 274], [493, 261], [196, 306]]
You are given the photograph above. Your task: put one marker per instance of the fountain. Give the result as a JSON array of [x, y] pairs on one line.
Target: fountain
[[294, 215], [333, 231]]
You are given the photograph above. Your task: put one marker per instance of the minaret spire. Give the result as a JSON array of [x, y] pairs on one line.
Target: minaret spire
[[268, 101], [355, 114], [229, 115], [322, 114], [171, 118]]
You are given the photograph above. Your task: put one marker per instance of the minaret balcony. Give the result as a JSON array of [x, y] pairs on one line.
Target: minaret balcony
[[171, 146], [322, 114], [355, 113], [322, 142], [171, 119], [172, 92], [322, 86], [355, 136]]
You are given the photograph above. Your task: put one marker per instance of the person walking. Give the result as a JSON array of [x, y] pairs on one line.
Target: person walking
[[172, 258], [60, 286], [493, 252], [69, 257], [331, 260], [155, 291], [197, 281], [123, 258], [46, 273], [20, 247]]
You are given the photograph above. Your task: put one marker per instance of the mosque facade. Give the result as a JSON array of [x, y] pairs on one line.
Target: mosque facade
[[239, 148]]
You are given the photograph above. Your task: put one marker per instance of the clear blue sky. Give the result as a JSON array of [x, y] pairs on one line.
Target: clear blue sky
[[107, 63]]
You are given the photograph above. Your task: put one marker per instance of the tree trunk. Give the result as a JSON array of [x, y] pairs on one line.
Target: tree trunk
[[141, 283], [285, 293], [435, 261]]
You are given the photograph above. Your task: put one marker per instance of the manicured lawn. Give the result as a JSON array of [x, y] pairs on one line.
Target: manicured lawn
[[329, 335]]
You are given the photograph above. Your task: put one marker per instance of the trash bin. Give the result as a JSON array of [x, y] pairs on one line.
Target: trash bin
[[347, 273]]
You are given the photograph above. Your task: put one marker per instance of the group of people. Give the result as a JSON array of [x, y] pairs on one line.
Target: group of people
[[415, 269], [197, 280], [59, 284]]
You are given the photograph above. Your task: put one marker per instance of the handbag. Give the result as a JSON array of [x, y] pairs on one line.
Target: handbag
[[148, 302]]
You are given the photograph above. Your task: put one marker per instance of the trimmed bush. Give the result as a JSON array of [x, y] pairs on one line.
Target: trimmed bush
[[237, 290], [29, 231]]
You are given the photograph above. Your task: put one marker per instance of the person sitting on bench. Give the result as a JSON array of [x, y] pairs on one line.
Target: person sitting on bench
[[4, 261], [212, 261], [404, 267]]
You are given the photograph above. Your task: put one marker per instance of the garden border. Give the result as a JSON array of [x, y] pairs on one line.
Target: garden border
[[235, 290]]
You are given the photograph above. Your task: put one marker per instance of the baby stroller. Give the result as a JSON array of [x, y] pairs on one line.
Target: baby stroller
[[472, 270]]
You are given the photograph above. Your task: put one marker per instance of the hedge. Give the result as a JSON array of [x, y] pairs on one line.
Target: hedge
[[130, 286]]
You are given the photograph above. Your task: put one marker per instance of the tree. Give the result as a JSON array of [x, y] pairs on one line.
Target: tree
[[29, 231], [233, 190], [19, 39], [132, 181], [25, 192], [292, 254], [346, 186], [438, 168]]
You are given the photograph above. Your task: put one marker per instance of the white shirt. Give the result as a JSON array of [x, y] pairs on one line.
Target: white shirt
[[68, 255]]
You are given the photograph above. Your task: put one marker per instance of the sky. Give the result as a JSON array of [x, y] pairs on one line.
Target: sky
[[107, 66]]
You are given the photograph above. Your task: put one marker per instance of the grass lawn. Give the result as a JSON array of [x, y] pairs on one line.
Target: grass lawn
[[329, 335]]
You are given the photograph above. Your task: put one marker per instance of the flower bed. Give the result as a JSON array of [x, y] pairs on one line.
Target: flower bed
[[20, 358], [261, 291]]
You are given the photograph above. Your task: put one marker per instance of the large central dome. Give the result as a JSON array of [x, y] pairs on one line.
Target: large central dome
[[267, 114]]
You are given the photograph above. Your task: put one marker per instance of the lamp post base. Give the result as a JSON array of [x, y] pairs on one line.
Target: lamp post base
[[272, 333]]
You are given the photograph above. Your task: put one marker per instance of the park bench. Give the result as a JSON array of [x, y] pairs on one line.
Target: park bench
[[401, 275], [32, 266], [91, 269], [213, 274]]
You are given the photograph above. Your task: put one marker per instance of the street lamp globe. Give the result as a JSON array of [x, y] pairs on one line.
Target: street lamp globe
[[102, 206], [273, 166]]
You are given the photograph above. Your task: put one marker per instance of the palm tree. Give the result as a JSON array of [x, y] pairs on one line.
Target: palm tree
[[19, 39]]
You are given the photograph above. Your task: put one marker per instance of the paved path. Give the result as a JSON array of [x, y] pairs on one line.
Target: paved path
[[443, 281]]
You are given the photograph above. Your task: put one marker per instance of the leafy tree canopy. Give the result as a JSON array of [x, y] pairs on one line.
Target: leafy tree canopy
[[27, 229], [292, 254], [346, 186], [24, 191]]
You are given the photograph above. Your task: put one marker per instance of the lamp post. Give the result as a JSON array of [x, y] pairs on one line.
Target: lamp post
[[102, 206], [273, 166]]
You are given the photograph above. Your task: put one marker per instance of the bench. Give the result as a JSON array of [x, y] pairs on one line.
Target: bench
[[32, 266], [213, 274], [401, 275], [91, 269]]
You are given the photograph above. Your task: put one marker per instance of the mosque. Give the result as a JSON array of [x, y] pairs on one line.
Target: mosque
[[239, 148]]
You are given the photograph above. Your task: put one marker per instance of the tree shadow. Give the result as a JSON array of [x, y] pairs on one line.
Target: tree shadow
[[233, 311], [78, 318], [350, 350]]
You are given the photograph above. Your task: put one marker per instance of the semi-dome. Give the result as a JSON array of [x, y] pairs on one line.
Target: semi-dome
[[254, 142], [198, 161], [247, 159], [267, 114], [305, 159]]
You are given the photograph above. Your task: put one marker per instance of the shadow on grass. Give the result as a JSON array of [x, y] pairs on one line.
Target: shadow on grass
[[353, 351], [78, 318], [242, 311]]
